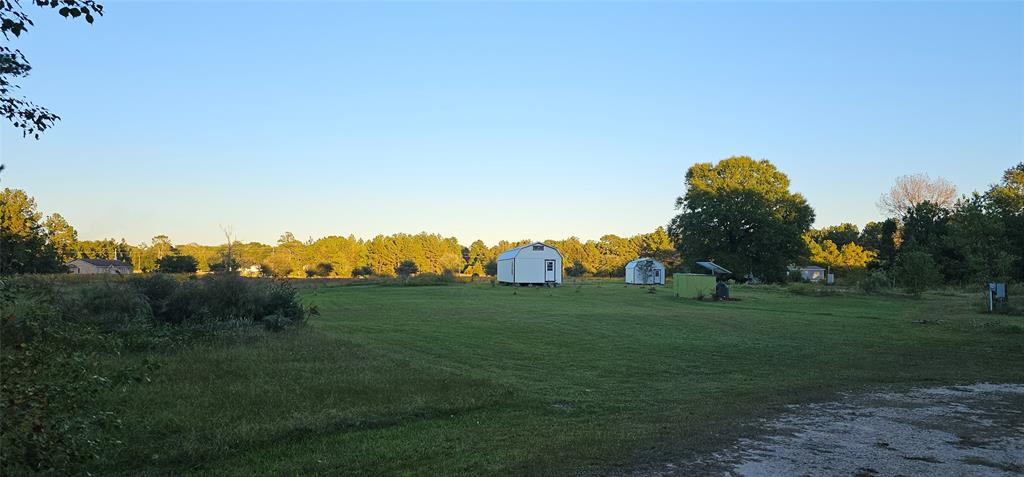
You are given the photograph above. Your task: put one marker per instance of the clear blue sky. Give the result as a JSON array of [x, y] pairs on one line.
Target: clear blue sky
[[336, 118]]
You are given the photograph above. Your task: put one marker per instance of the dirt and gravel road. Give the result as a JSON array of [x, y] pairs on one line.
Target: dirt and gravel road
[[975, 430]]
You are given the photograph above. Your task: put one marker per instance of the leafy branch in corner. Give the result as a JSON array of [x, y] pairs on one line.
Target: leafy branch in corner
[[22, 113]]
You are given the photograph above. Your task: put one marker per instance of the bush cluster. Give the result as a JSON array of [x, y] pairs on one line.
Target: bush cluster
[[55, 335], [447, 277], [217, 298], [876, 282]]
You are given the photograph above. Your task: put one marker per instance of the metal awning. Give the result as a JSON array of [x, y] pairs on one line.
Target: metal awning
[[713, 267]]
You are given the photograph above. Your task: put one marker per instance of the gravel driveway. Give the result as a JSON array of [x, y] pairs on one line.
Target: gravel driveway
[[975, 430]]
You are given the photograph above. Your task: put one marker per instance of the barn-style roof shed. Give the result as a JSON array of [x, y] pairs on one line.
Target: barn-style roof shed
[[645, 271], [536, 263]]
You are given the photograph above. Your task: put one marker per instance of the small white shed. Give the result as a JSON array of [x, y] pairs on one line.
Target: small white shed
[[645, 271], [811, 273], [536, 263]]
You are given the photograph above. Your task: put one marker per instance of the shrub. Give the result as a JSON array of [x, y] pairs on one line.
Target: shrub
[[322, 269], [406, 268], [156, 288], [233, 298], [276, 322], [109, 303], [876, 282], [55, 338], [363, 271], [177, 264], [916, 271], [491, 267], [44, 381], [577, 269]]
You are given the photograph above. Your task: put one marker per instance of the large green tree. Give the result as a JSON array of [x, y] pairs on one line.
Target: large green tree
[[741, 214], [62, 237], [23, 244], [1006, 200], [884, 238]]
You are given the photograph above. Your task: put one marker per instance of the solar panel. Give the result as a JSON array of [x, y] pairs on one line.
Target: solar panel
[[713, 267]]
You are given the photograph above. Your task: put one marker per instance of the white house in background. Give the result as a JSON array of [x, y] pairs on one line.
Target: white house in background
[[93, 266], [645, 271], [810, 273], [251, 271], [536, 263]]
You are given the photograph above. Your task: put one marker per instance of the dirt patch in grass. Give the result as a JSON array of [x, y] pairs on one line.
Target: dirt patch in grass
[[946, 431]]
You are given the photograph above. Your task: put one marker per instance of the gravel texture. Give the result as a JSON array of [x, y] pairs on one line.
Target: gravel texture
[[975, 430]]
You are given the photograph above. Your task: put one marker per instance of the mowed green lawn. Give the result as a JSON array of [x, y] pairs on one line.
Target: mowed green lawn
[[482, 380]]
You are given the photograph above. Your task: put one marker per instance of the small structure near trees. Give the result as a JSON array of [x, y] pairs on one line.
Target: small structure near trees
[[645, 271], [534, 264], [810, 273], [698, 285], [92, 266]]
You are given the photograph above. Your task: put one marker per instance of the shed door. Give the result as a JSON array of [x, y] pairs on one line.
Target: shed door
[[549, 270], [657, 275]]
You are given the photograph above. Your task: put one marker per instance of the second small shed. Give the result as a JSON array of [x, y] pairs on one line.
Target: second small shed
[[645, 271], [533, 264]]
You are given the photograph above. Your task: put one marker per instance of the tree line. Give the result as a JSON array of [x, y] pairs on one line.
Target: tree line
[[34, 244], [738, 212]]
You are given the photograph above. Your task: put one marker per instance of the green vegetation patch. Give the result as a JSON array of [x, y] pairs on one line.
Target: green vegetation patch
[[475, 379]]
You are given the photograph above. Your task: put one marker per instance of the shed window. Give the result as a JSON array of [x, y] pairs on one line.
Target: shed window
[[551, 266], [539, 248]]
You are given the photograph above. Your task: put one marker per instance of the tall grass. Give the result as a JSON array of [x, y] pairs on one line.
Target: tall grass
[[57, 333]]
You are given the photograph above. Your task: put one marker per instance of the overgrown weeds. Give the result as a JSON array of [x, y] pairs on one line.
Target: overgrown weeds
[[57, 335]]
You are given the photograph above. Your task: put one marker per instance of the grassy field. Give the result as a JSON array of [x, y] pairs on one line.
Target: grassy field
[[590, 379]]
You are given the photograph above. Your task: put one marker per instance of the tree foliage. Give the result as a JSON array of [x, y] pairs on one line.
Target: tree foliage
[[177, 264], [740, 213], [1006, 201], [24, 244], [917, 271], [883, 238], [828, 254], [30, 118], [909, 191], [406, 268]]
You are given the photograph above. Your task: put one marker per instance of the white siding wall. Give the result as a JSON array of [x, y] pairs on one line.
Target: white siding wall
[[505, 271], [635, 274]]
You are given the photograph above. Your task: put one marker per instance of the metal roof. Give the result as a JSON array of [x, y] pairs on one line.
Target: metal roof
[[512, 252], [103, 263], [643, 259], [713, 267]]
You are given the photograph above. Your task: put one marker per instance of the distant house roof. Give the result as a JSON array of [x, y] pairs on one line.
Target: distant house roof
[[810, 267], [715, 268], [103, 263]]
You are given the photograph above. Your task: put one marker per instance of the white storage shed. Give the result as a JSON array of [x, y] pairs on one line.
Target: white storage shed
[[536, 263], [810, 273], [645, 271]]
